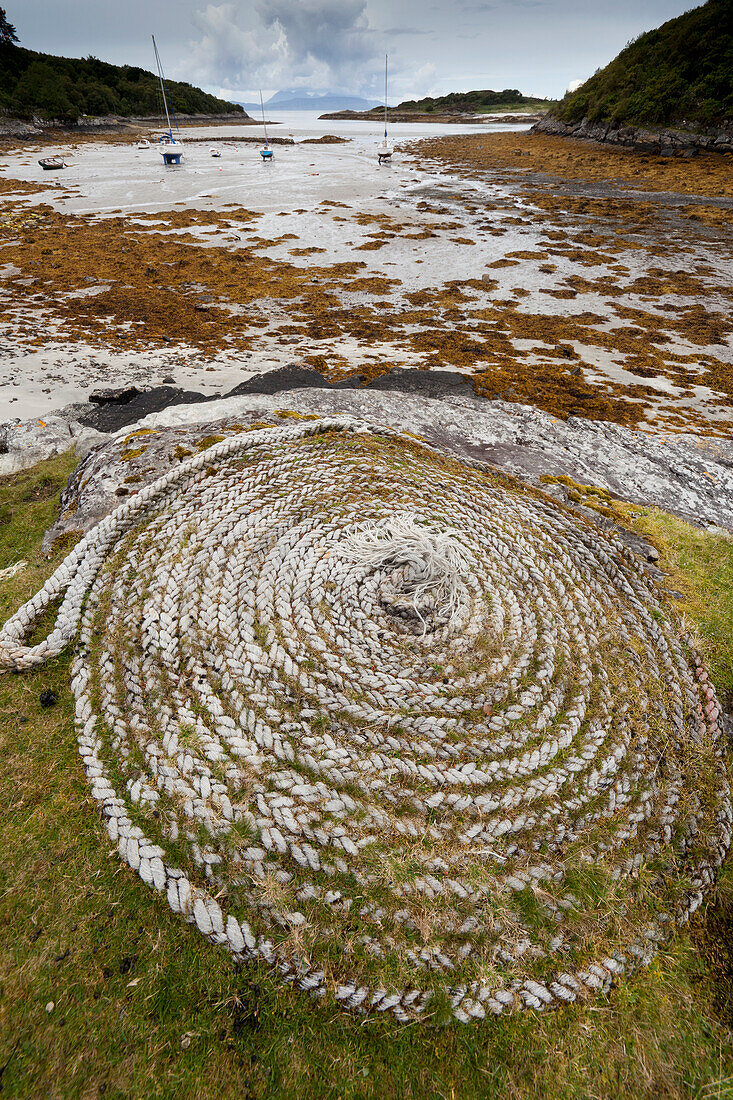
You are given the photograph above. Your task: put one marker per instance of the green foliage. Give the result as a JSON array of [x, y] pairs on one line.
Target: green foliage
[[478, 102], [682, 72], [7, 30], [699, 565], [68, 87]]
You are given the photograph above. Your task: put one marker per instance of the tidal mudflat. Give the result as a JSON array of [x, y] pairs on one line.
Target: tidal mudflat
[[582, 280]]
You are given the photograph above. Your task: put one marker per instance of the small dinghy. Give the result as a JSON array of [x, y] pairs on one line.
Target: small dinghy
[[384, 149], [265, 151], [384, 152], [52, 164], [214, 153], [171, 148], [144, 144]]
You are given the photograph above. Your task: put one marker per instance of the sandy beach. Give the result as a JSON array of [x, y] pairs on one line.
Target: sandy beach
[[583, 281]]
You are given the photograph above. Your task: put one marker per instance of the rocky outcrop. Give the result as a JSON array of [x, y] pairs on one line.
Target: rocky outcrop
[[24, 443], [667, 142], [22, 128], [690, 476], [470, 118], [35, 127]]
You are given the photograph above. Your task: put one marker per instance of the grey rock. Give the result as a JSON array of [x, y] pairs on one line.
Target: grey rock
[[24, 443], [664, 141], [689, 476]]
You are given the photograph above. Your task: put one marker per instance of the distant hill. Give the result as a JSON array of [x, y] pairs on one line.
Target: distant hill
[[458, 105], [486, 101], [303, 99], [680, 74], [65, 88]]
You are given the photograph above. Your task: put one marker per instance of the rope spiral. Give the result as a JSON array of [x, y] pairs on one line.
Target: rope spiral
[[413, 734]]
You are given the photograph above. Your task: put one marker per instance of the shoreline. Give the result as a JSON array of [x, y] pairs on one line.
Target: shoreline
[[664, 140], [447, 118], [36, 129]]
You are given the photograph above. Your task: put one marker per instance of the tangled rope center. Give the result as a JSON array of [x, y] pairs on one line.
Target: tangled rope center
[[425, 568]]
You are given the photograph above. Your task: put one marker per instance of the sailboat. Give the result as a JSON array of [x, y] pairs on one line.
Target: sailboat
[[171, 148], [384, 149], [265, 151]]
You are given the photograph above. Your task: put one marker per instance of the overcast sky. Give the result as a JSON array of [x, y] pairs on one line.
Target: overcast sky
[[435, 46]]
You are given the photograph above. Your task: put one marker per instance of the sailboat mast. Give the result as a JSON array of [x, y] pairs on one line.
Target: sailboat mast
[[385, 97], [264, 124], [162, 85]]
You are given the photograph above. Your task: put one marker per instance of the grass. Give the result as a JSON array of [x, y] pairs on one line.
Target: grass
[[144, 1007], [698, 565]]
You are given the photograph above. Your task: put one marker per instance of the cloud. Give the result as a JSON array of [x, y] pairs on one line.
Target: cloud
[[415, 83], [331, 32], [500, 8], [575, 84], [319, 43], [411, 31]]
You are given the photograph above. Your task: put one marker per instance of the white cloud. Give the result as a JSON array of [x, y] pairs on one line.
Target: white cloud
[[575, 84], [415, 83], [326, 44]]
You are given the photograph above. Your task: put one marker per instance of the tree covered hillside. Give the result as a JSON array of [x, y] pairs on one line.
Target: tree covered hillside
[[67, 87], [479, 102], [680, 72]]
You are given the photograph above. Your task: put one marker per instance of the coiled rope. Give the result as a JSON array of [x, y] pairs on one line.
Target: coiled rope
[[413, 734]]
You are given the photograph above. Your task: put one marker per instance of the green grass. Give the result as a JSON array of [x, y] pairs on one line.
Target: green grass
[[144, 1007], [699, 566]]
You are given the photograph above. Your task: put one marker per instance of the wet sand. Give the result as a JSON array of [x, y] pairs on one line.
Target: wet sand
[[586, 281]]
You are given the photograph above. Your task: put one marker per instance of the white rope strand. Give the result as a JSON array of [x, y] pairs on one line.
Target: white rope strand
[[433, 562], [404, 732]]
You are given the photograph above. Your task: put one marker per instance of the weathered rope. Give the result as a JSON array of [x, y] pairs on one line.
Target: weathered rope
[[410, 734], [428, 565]]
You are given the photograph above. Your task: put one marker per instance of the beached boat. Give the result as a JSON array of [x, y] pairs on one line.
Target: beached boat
[[265, 151], [214, 153], [52, 164], [384, 149], [171, 148], [144, 144]]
